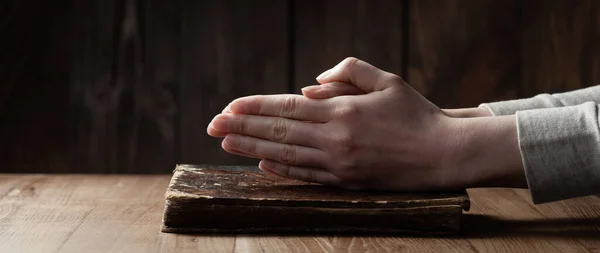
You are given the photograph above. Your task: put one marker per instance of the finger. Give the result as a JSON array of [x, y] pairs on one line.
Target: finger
[[276, 129], [307, 174], [226, 110], [288, 106], [329, 90], [214, 132], [284, 153], [354, 71], [242, 154], [268, 171], [308, 91]]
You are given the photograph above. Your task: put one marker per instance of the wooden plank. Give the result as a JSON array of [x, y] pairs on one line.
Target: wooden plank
[[507, 220], [229, 49], [192, 243], [123, 86], [43, 228], [34, 107], [326, 32], [466, 52], [560, 216], [75, 213], [125, 217], [560, 46]]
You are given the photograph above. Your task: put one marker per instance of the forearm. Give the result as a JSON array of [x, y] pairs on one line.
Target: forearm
[[552, 151], [486, 152]]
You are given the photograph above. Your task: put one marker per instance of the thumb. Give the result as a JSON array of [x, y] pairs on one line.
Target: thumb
[[359, 73]]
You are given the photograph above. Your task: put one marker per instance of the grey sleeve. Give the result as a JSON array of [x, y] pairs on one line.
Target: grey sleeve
[[559, 140], [560, 149], [545, 101]]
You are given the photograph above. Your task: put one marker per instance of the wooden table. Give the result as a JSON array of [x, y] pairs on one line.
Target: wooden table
[[122, 213]]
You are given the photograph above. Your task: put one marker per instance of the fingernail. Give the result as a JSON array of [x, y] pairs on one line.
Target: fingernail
[[267, 164], [238, 105], [232, 140], [267, 167], [224, 117], [310, 88], [220, 122], [323, 75]]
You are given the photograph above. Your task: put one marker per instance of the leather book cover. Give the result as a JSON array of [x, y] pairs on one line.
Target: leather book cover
[[238, 199]]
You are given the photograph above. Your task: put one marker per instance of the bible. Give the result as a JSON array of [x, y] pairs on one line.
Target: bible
[[240, 199]]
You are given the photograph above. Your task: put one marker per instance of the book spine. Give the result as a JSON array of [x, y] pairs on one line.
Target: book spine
[[181, 218]]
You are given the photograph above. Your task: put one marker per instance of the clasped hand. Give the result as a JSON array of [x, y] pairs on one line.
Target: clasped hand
[[385, 135], [361, 128]]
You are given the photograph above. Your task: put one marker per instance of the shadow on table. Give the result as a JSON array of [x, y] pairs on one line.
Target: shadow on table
[[476, 225]]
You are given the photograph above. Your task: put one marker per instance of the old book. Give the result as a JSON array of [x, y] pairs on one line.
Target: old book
[[233, 199]]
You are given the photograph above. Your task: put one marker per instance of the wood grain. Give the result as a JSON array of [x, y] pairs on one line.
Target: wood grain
[[326, 32], [462, 53], [560, 46], [92, 213], [229, 49]]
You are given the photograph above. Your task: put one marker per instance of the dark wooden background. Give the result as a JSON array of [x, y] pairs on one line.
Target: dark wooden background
[[129, 86]]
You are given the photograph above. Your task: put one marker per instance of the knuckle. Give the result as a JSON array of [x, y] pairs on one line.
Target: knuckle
[[349, 63], [348, 169], [242, 125], [344, 141], [284, 169], [255, 106], [289, 105], [346, 153], [394, 79], [311, 176], [288, 154], [279, 130], [349, 111]]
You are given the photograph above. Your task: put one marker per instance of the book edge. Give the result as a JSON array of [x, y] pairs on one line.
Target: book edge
[[462, 200]]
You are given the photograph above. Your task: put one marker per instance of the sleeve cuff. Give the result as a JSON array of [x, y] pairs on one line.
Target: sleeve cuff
[[510, 107], [560, 149]]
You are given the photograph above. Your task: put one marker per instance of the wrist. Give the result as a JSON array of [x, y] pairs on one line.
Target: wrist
[[484, 153]]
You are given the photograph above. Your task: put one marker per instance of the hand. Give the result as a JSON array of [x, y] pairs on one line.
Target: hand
[[389, 138], [334, 89]]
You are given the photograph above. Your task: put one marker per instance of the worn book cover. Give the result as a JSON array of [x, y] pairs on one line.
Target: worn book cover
[[234, 199]]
